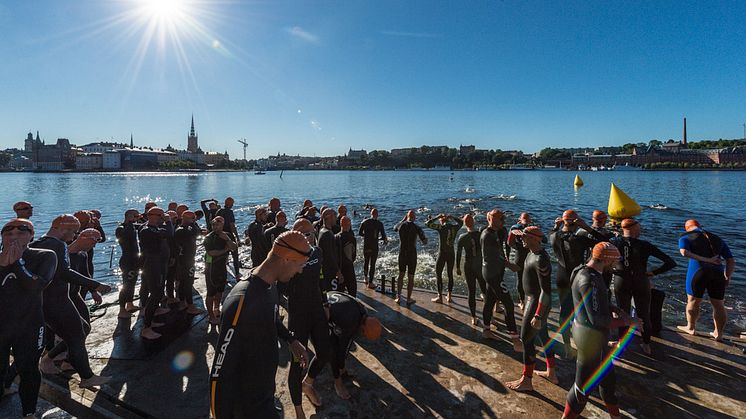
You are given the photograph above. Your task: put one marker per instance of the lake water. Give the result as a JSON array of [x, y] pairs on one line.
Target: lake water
[[714, 198]]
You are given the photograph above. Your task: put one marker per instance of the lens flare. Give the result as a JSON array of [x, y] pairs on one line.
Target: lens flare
[[182, 361]]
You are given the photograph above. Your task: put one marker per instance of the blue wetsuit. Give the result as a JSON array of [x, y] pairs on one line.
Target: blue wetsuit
[[702, 276]]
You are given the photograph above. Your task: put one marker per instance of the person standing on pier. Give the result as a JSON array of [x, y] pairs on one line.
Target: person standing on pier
[[129, 263], [210, 208], [447, 227], [347, 246], [279, 226], [632, 280], [705, 251], [274, 209], [371, 230], [242, 377], [330, 272], [515, 242], [255, 232], [229, 226], [185, 239], [408, 234], [217, 246], [154, 249], [469, 244]]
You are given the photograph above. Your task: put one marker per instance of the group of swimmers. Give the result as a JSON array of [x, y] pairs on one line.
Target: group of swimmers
[[308, 268]]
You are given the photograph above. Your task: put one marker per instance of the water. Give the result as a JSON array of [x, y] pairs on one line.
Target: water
[[714, 198]]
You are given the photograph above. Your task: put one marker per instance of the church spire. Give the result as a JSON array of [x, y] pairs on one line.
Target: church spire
[[191, 132], [132, 142], [37, 136]]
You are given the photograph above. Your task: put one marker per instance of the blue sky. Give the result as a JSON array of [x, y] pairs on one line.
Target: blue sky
[[320, 77]]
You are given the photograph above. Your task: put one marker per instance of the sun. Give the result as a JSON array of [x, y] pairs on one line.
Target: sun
[[163, 9]]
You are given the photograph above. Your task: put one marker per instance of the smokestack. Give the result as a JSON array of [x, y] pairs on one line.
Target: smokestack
[[684, 142]]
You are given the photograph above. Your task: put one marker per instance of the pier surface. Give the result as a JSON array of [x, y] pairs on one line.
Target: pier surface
[[429, 362]]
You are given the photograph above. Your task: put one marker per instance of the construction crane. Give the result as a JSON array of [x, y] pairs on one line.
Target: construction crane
[[245, 144]]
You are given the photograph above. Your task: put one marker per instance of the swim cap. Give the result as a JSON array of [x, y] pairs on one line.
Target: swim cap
[[533, 231], [291, 245], [495, 213], [282, 216], [469, 220], [229, 201], [691, 225], [628, 223], [172, 206], [188, 214], [20, 204], [180, 209], [303, 225], [66, 221], [90, 234], [371, 328], [345, 222], [599, 215], [20, 221], [83, 216], [374, 212], [218, 219], [570, 215], [411, 214], [606, 251], [327, 213], [155, 211], [307, 203]]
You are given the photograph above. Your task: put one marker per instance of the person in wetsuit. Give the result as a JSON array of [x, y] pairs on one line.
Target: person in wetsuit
[[242, 377], [60, 314], [95, 223], [210, 209], [468, 243], [570, 249], [259, 245], [493, 242], [24, 272], [537, 283], [632, 277], [170, 268], [347, 247], [217, 246], [330, 271], [154, 248], [279, 227], [515, 242], [229, 226], [23, 210], [593, 320], [347, 318], [447, 227], [408, 234], [706, 252], [371, 230], [129, 262], [274, 209], [307, 319], [185, 239], [604, 233]]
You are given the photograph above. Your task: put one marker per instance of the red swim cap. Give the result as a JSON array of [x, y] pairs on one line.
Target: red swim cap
[[345, 222], [606, 251], [66, 221], [371, 328], [691, 225], [628, 223], [599, 215], [570, 215], [469, 220], [292, 245]]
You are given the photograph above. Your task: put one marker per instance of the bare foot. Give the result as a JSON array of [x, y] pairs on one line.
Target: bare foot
[[718, 338], [341, 390], [124, 314], [397, 299], [517, 344], [474, 321], [437, 300], [371, 286], [686, 329], [522, 384], [489, 334], [95, 381], [131, 307], [150, 334], [551, 376], [448, 298], [310, 392]]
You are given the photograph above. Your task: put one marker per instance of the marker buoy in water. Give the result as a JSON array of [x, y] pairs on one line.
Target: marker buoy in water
[[621, 205], [578, 181]]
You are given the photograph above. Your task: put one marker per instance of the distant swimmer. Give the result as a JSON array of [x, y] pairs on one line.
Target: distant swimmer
[[129, 262], [242, 377], [23, 210], [24, 274], [347, 318], [185, 239], [537, 283], [155, 251], [706, 252], [468, 244], [408, 234], [347, 248], [372, 231], [447, 227], [494, 261], [217, 247], [632, 279], [591, 326]]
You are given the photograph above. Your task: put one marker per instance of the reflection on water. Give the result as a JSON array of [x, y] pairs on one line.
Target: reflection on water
[[715, 198]]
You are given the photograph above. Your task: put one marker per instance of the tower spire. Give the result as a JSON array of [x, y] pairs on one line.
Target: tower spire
[[132, 142], [684, 142], [191, 132]]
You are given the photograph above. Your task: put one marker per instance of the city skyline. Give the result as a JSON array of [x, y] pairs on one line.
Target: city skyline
[[320, 78]]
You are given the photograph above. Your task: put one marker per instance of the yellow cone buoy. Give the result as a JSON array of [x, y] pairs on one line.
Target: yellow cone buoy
[[620, 205], [578, 181]]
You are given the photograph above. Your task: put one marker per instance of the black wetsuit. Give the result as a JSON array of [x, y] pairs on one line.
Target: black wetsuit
[[371, 229], [129, 262], [631, 280], [330, 264], [242, 378], [307, 320], [171, 267], [272, 233], [228, 226], [100, 229], [408, 234], [446, 254], [469, 244], [259, 245], [154, 249], [60, 314], [347, 247], [601, 234], [346, 314], [185, 239], [22, 319], [537, 284], [216, 273], [518, 257], [493, 270], [570, 249], [591, 331], [209, 213]]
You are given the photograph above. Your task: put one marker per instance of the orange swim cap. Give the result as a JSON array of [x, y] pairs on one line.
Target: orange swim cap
[[599, 215], [691, 225], [83, 216], [570, 215], [495, 213], [20, 204], [533, 231], [20, 221], [345, 222], [155, 211], [628, 223], [291, 245], [66, 221], [188, 214], [371, 328], [303, 225], [606, 251], [411, 214], [90, 234], [469, 220], [328, 212]]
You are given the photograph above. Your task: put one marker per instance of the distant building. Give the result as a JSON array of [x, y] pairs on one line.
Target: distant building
[[215, 158], [112, 160], [102, 147], [89, 161], [356, 154], [52, 157], [139, 159], [466, 149], [403, 151], [20, 162]]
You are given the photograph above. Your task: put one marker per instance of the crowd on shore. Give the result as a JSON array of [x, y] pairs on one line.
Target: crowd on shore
[[308, 268]]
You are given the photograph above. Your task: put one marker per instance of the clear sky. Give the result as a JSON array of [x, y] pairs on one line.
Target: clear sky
[[318, 77]]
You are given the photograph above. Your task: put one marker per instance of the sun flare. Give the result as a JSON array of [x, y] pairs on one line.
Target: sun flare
[[163, 9]]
